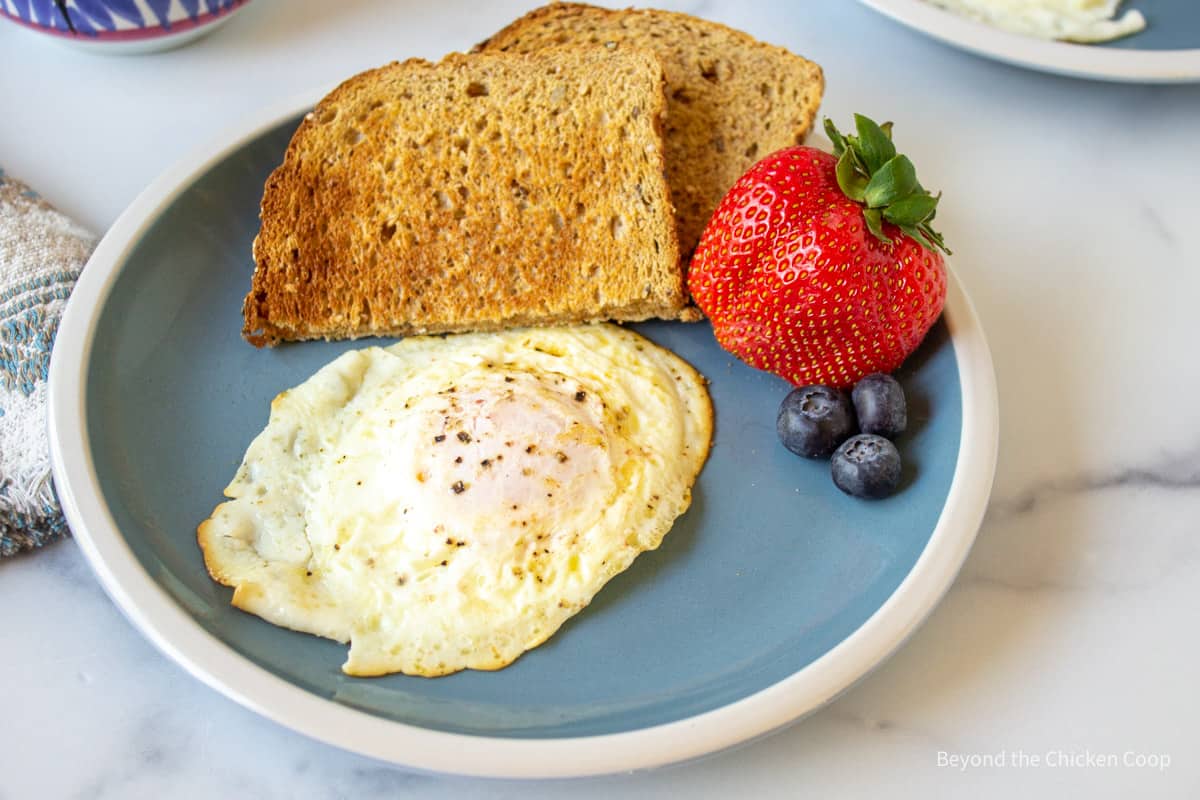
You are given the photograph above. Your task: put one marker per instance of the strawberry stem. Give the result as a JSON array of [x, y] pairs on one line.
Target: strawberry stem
[[869, 171]]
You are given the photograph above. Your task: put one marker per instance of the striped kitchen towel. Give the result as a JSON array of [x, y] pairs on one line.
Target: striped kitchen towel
[[41, 254]]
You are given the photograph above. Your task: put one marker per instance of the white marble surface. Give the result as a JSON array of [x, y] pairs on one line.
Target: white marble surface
[[1072, 629]]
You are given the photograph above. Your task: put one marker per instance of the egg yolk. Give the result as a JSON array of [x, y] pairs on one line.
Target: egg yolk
[[500, 454]]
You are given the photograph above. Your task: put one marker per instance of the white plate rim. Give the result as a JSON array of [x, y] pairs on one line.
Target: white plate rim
[[173, 631], [1079, 60]]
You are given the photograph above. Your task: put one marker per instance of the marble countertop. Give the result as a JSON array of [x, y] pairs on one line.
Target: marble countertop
[[1066, 642]]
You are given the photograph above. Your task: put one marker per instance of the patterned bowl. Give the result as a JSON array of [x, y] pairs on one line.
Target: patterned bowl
[[121, 26]]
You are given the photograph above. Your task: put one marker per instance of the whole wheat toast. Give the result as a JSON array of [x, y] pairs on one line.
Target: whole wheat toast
[[481, 192], [731, 98]]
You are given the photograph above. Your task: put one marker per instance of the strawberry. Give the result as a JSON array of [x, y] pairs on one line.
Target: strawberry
[[823, 268]]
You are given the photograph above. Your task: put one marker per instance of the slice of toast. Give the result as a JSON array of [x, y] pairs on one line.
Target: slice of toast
[[481, 192], [731, 99]]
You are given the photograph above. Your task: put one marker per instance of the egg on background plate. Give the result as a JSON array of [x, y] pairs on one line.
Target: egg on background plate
[[1069, 20], [448, 502]]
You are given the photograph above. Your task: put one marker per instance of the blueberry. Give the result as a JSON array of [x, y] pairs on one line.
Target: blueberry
[[866, 465], [879, 404], [814, 420]]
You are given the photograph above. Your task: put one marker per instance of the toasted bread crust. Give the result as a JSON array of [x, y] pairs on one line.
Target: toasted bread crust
[[731, 98], [482, 192]]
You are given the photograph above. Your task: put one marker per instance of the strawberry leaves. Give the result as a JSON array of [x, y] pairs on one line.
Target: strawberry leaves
[[894, 179], [873, 142], [870, 172], [851, 176]]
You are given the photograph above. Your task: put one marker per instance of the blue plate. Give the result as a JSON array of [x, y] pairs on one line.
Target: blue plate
[[768, 573], [1170, 25], [1166, 51]]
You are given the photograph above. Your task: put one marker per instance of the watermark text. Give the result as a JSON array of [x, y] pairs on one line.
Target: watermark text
[[1054, 759]]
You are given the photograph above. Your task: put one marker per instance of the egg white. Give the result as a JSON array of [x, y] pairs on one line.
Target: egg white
[[448, 502], [1070, 20]]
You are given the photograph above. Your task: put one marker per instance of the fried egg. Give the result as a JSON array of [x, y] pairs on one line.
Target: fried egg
[[1070, 20], [448, 502]]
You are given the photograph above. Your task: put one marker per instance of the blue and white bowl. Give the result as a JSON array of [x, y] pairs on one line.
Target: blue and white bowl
[[121, 26]]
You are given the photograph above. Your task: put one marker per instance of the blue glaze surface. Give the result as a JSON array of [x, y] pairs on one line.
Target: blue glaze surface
[[1170, 25], [770, 568]]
